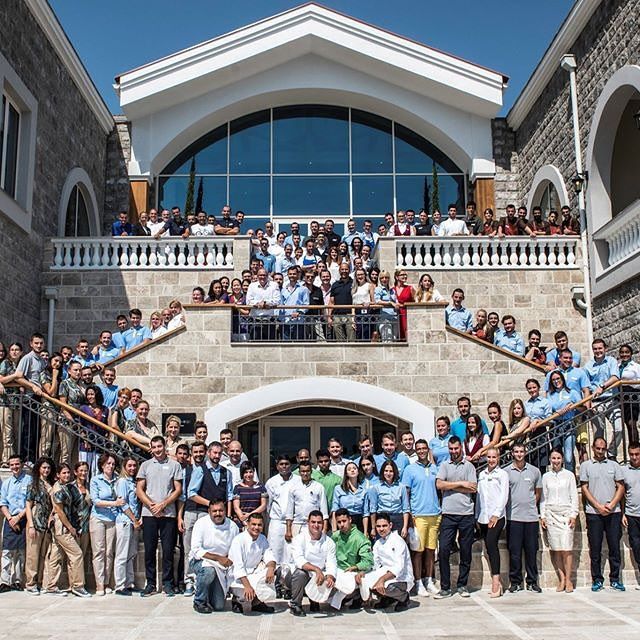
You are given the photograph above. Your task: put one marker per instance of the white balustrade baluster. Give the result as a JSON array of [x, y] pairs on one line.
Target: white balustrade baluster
[[456, 250], [211, 254], [200, 251], [543, 252], [66, 251], [77, 255], [171, 253], [182, 249], [523, 259], [504, 252], [513, 252], [57, 255], [562, 256], [466, 257], [571, 253], [446, 255], [494, 247], [437, 255], [133, 255], [477, 253], [402, 248], [228, 261], [144, 253], [219, 255]]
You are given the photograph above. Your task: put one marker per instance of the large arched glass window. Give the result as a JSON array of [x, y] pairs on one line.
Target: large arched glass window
[[549, 199], [312, 160], [77, 219]]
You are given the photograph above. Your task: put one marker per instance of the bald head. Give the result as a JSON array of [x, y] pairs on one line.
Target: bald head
[[235, 452]]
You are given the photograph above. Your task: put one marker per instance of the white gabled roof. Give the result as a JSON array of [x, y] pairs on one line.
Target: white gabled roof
[[314, 29]]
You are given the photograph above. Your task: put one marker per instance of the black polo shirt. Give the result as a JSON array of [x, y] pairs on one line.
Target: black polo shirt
[[423, 229], [341, 294]]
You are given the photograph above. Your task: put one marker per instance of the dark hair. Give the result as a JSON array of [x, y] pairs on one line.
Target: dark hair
[[345, 480], [531, 381], [183, 447], [445, 419], [39, 462], [98, 392], [135, 312], [104, 458], [394, 468], [342, 512], [634, 445], [454, 440], [315, 513], [281, 457], [226, 431], [217, 501], [421, 441], [533, 332], [198, 443], [495, 405], [305, 464], [322, 453], [36, 336], [158, 439], [15, 456], [257, 516], [560, 334], [478, 420], [383, 515], [371, 459], [198, 424], [246, 466], [77, 465]]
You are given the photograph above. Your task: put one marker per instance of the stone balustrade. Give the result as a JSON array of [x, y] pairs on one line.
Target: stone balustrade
[[622, 235], [144, 253]]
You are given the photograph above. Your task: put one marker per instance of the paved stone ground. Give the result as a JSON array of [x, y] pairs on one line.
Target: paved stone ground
[[526, 616]]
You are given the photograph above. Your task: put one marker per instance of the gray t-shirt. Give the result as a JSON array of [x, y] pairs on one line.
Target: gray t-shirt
[[601, 477], [522, 505], [454, 502], [31, 366], [159, 476], [632, 490]]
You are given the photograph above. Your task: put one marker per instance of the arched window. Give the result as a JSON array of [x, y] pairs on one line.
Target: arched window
[[548, 199], [312, 160], [77, 218]]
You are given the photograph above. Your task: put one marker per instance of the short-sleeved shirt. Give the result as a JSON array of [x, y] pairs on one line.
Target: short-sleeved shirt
[[522, 503], [460, 319], [39, 496], [72, 391], [31, 366], [601, 478], [575, 377], [421, 482], [599, 372], [455, 502], [341, 294], [632, 490], [7, 368], [250, 497], [159, 476], [134, 336]]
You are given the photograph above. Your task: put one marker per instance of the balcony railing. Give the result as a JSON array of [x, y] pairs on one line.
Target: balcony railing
[[479, 252], [622, 235], [142, 253], [346, 324]]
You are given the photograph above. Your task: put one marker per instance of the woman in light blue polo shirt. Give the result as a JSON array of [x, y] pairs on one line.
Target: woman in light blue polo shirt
[[538, 409], [561, 398], [368, 471], [389, 496], [439, 444], [128, 522], [102, 524], [350, 495]]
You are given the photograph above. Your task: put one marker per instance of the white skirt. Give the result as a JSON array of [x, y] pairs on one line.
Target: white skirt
[[559, 533]]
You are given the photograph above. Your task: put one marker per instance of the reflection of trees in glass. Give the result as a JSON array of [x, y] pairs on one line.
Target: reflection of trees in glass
[[200, 196], [436, 190], [426, 200], [188, 205]]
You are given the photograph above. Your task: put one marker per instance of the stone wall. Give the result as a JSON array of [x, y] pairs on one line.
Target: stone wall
[[68, 136], [616, 316], [116, 176], [506, 179]]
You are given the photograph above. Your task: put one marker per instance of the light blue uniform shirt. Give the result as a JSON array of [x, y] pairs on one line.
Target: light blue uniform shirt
[[459, 428], [298, 297], [117, 340], [538, 408], [460, 319], [599, 372], [283, 264], [510, 341], [85, 362], [198, 474], [109, 395], [13, 493], [371, 481], [126, 488], [387, 498], [382, 294], [440, 449], [106, 355], [420, 479], [401, 459], [553, 358], [561, 399], [102, 489], [575, 378], [354, 503], [132, 337]]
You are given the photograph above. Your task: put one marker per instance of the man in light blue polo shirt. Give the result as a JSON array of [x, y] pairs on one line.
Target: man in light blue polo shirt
[[602, 372], [294, 294], [553, 355], [137, 333], [389, 452], [83, 354], [508, 338], [105, 350], [459, 426], [576, 378], [420, 479], [109, 388], [456, 315]]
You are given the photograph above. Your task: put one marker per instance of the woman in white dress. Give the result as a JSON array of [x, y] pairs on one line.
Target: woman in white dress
[[558, 513]]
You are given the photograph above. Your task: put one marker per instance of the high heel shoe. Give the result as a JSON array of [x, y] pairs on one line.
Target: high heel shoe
[[496, 594]]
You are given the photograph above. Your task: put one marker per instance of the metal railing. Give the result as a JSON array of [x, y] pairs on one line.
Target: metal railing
[[142, 253], [312, 323], [480, 252], [42, 420]]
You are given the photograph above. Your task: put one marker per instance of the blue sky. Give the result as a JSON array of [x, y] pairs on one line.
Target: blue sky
[[506, 35]]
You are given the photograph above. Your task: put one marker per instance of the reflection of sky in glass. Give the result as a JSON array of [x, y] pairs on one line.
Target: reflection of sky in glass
[[313, 196]]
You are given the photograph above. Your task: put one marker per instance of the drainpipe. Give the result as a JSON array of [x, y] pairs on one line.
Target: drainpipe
[[51, 294]]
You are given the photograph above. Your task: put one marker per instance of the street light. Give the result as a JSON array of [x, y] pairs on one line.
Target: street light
[[579, 181]]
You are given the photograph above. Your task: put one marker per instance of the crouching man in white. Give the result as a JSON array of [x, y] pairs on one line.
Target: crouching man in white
[[314, 556], [253, 568], [210, 543], [392, 575]]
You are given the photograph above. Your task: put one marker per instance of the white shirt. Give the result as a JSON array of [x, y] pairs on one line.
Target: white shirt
[[247, 553], [631, 371], [338, 467], [272, 239], [303, 499], [321, 553], [156, 333], [493, 494], [202, 230], [392, 554], [278, 489], [208, 537], [234, 469], [451, 227], [559, 490], [154, 227], [270, 294], [176, 321]]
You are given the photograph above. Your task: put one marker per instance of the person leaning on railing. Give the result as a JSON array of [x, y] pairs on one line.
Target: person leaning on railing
[[70, 392], [142, 429], [9, 416], [263, 296], [561, 399], [629, 370], [388, 314]]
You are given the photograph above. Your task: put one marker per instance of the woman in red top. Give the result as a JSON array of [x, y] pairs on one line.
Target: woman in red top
[[475, 440], [404, 294]]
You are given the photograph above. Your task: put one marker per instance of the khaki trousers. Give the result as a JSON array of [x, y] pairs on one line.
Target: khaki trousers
[[67, 445], [37, 565], [103, 547], [47, 433], [63, 544], [9, 420]]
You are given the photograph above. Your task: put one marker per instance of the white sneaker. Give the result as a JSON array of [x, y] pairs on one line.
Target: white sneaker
[[422, 590], [34, 591], [108, 590], [100, 592], [431, 588]]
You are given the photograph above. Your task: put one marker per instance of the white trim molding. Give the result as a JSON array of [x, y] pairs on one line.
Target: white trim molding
[[52, 28], [545, 174], [615, 254], [20, 209], [80, 178], [562, 42], [267, 399]]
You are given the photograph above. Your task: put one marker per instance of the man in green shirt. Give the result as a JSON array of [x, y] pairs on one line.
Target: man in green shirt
[[355, 558], [323, 474]]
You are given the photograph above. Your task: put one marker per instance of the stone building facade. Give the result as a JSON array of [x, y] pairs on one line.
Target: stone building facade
[[69, 135]]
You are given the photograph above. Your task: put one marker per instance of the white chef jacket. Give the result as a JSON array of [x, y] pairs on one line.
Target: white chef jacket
[[321, 553], [305, 498], [208, 537], [247, 554]]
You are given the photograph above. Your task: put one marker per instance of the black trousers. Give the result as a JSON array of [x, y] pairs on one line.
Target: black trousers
[[597, 527], [633, 528], [178, 580], [522, 536], [450, 527], [491, 536], [166, 530]]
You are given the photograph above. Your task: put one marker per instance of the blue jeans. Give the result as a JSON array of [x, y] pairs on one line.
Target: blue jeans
[[565, 438], [208, 588]]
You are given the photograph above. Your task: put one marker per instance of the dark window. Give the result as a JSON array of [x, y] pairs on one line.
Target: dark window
[[9, 140], [371, 143], [311, 196], [77, 220], [249, 145]]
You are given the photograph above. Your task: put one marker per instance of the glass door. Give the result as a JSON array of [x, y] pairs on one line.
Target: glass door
[[284, 440]]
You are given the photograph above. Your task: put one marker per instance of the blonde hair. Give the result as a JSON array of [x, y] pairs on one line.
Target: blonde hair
[[176, 303], [156, 314], [172, 418]]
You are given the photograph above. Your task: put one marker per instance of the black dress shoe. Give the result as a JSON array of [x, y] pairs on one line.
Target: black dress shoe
[[515, 587], [297, 611], [149, 590], [356, 603], [261, 607], [383, 603], [202, 608], [123, 592], [534, 587], [402, 606], [236, 607], [314, 607], [4, 588]]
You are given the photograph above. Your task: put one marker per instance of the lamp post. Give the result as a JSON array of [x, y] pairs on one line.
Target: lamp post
[[568, 63]]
